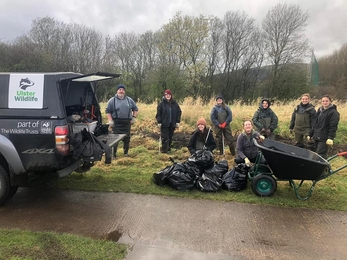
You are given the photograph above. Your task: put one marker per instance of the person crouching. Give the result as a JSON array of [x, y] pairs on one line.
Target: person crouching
[[202, 138]]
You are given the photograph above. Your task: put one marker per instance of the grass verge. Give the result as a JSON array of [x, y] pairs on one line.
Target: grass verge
[[19, 244]]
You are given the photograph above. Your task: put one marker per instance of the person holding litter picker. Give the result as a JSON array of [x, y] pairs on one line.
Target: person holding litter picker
[[221, 117], [202, 138], [168, 118]]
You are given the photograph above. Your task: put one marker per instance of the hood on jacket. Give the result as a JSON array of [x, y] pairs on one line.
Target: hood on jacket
[[264, 99], [331, 106]]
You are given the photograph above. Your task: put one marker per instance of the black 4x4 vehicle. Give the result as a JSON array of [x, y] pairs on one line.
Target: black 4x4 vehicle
[[39, 112]]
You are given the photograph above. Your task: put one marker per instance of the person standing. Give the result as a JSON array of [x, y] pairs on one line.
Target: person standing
[[303, 120], [265, 120], [221, 117], [325, 127], [246, 150], [168, 118], [121, 112], [202, 138]]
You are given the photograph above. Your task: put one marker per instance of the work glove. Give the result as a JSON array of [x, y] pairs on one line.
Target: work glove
[[133, 120], [247, 161], [177, 125], [308, 138], [263, 131], [291, 131], [159, 125], [261, 137], [221, 126], [110, 123], [267, 132], [329, 142], [224, 124]]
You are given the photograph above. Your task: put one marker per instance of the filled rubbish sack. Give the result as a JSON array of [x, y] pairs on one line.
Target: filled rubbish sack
[[211, 178], [160, 177], [236, 178], [183, 176], [202, 158]]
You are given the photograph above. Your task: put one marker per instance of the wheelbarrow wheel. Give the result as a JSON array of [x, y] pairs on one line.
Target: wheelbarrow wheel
[[264, 185]]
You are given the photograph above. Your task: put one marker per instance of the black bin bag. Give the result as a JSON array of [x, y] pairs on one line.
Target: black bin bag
[[160, 177], [202, 158], [211, 178], [236, 178], [183, 176]]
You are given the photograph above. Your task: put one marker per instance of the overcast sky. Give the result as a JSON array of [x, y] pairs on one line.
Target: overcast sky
[[325, 30]]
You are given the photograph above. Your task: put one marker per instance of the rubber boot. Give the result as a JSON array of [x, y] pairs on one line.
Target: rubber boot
[[232, 149]]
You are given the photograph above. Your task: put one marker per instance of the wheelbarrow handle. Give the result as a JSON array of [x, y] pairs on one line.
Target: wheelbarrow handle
[[342, 154]]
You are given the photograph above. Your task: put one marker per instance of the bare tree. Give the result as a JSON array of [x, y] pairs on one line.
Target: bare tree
[[214, 48], [185, 38], [238, 53], [286, 43]]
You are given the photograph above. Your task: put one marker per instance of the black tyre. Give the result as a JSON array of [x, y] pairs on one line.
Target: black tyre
[[5, 185], [13, 190], [264, 185]]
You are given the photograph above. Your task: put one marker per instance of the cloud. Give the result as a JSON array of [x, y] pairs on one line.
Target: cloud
[[327, 17]]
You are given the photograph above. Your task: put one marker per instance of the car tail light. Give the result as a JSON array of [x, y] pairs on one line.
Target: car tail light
[[62, 139]]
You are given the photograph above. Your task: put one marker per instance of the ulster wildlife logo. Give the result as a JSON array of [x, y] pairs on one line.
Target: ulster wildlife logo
[[25, 83]]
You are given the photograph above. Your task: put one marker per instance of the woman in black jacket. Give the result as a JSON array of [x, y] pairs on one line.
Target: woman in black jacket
[[168, 117], [325, 127], [202, 138]]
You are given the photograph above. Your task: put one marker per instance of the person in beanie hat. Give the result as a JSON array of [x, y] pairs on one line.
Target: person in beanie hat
[[168, 118], [221, 117], [265, 120], [202, 138], [121, 112], [120, 86]]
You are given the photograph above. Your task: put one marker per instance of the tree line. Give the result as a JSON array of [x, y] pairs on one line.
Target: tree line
[[193, 56]]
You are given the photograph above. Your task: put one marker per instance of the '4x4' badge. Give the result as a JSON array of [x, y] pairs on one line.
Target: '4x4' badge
[[32, 151]]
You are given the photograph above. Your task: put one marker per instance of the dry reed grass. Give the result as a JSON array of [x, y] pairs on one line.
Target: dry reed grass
[[192, 110]]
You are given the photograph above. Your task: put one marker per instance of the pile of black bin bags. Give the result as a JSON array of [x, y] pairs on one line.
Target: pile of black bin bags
[[202, 172]]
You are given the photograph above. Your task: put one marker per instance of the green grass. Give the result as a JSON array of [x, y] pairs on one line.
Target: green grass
[[134, 175], [19, 244]]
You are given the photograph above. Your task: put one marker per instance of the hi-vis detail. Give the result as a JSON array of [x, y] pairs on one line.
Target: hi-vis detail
[[26, 91]]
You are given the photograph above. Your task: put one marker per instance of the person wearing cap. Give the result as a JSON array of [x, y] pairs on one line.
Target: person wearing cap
[[168, 118], [246, 150], [121, 112], [265, 120], [202, 138], [221, 117]]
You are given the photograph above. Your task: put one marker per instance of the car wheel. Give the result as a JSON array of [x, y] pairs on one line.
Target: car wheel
[[264, 185], [13, 190], [5, 185]]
